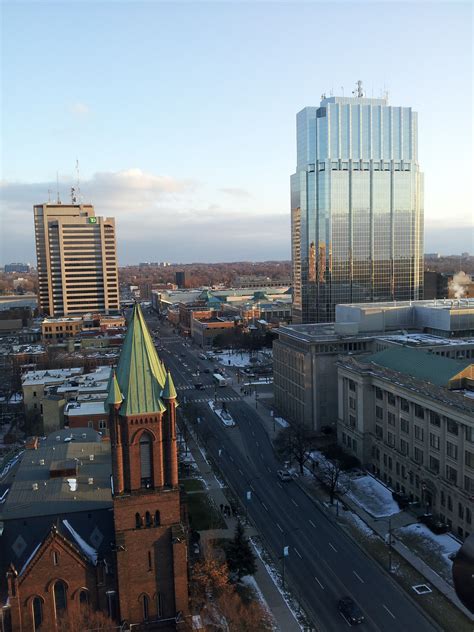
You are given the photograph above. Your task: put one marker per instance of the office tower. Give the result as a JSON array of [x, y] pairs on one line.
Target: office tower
[[356, 206], [77, 260], [181, 278]]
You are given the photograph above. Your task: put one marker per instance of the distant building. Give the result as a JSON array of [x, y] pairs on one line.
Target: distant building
[[260, 282], [181, 277], [76, 260], [17, 267], [205, 330], [356, 206]]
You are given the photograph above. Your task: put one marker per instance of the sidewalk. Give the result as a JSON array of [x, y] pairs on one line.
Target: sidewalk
[[284, 618], [379, 526]]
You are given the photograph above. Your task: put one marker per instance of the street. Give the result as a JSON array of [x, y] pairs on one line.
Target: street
[[323, 563]]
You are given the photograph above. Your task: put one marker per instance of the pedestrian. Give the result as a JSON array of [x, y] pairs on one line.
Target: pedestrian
[[227, 511], [222, 508]]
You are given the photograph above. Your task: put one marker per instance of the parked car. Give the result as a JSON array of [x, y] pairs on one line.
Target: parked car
[[198, 386], [350, 611], [207, 370], [284, 475], [434, 524], [202, 356]]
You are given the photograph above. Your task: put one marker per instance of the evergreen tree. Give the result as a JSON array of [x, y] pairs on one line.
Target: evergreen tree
[[239, 554]]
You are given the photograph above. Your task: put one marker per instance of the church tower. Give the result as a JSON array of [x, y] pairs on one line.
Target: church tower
[[150, 536]]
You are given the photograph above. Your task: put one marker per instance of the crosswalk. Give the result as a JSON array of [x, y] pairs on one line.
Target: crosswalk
[[190, 387], [226, 398]]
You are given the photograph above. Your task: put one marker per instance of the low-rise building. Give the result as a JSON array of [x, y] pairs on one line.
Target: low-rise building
[[205, 331], [408, 416]]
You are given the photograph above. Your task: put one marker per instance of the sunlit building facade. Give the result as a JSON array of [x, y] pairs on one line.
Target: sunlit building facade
[[356, 206]]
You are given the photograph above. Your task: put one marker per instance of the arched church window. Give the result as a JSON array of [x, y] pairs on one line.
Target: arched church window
[[146, 607], [148, 519], [37, 613], [157, 518], [138, 521], [145, 459], [60, 597]]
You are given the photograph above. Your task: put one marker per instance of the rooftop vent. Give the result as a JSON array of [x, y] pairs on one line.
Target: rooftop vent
[[35, 487], [91, 457], [90, 480], [41, 461]]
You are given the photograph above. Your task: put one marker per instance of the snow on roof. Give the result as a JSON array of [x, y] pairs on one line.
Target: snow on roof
[[85, 408], [25, 565], [87, 549]]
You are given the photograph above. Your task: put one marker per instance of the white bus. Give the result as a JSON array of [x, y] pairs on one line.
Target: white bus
[[220, 380]]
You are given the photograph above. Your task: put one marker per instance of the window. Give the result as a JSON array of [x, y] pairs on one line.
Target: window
[[352, 421], [434, 464], [147, 519], [435, 419], [419, 411], [469, 458], [37, 606], [468, 515], [451, 474], [418, 433], [451, 450], [378, 431], [60, 597], [157, 518], [469, 484], [138, 521], [403, 446], [145, 459], [55, 558], [352, 403], [84, 598], [391, 418], [442, 498], [434, 441], [404, 405], [390, 438], [378, 393], [146, 607], [470, 435], [391, 399], [418, 455], [379, 412], [460, 511], [352, 386], [452, 427], [404, 425], [159, 605], [450, 503], [149, 561]]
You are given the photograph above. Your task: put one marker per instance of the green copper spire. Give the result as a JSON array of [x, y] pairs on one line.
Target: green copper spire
[[114, 395], [140, 373], [169, 392]]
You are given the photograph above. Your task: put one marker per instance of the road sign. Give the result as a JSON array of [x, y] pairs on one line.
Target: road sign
[[286, 551], [249, 495]]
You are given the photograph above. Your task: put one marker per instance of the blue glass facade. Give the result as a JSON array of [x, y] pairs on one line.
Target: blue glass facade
[[356, 207]]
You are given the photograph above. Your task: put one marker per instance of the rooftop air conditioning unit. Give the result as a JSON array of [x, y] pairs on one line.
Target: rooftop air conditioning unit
[[35, 486], [41, 461], [91, 457], [90, 480]]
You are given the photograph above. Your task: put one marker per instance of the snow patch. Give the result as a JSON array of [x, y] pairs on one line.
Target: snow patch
[[443, 545], [25, 565], [359, 524], [225, 417], [88, 551], [281, 422], [72, 482], [372, 496]]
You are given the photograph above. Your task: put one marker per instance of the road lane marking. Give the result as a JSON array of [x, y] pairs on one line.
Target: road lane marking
[[294, 502], [297, 553], [319, 582], [333, 547], [231, 457], [389, 612], [269, 469], [257, 444], [279, 485], [240, 472], [359, 577], [312, 524], [252, 487], [279, 527], [253, 433], [264, 506]]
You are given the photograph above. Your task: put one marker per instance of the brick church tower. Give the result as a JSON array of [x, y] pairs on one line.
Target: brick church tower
[[150, 537]]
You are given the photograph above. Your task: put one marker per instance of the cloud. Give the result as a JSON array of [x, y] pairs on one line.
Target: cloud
[[236, 192], [80, 109], [158, 217]]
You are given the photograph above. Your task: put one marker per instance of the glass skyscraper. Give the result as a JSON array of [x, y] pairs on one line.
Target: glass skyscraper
[[356, 206]]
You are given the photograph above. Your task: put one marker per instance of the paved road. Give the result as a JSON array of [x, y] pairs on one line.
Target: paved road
[[324, 564]]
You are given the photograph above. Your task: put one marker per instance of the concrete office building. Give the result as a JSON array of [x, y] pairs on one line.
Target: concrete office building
[[408, 416], [305, 356], [356, 206], [76, 260]]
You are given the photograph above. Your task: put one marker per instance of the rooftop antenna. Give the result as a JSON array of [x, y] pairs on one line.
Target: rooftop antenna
[[49, 196], [58, 200], [342, 90], [359, 92]]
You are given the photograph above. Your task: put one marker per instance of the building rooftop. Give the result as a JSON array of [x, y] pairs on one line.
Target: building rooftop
[[418, 363], [49, 376], [75, 409], [35, 493]]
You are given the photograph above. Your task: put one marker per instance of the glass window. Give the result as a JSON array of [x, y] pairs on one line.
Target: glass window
[[418, 455], [434, 441], [379, 412], [403, 446], [434, 464], [404, 425], [451, 450], [84, 598], [391, 399], [37, 613], [418, 433], [452, 427], [469, 458], [378, 393], [60, 597], [451, 474], [435, 419], [146, 607], [419, 411], [391, 418], [145, 459]]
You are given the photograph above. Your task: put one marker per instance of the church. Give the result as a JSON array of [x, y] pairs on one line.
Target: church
[[87, 523]]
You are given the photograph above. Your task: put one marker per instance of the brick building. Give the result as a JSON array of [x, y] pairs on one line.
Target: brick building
[[94, 523]]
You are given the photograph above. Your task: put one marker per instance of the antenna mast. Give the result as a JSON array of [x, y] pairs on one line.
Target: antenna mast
[[58, 200], [359, 92]]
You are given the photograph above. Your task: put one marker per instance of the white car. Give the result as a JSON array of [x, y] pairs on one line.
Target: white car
[[284, 475]]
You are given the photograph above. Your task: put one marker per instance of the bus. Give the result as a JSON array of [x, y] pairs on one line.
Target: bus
[[219, 380]]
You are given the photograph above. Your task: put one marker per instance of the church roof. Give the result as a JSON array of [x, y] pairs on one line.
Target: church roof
[[114, 395], [140, 374], [169, 392]]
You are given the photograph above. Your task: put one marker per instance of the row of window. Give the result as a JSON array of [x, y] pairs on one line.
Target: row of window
[[148, 521]]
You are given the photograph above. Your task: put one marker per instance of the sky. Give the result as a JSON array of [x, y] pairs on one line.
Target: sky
[[182, 114]]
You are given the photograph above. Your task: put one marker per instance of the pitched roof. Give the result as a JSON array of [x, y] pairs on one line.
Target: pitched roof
[[140, 374], [419, 364], [169, 392], [114, 395]]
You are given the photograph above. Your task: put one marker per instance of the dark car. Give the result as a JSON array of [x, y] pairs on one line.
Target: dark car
[[198, 386], [207, 370], [350, 611]]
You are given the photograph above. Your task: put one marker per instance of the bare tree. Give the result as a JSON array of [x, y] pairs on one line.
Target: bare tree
[[294, 443], [331, 471]]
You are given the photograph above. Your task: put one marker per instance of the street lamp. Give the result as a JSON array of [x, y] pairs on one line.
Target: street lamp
[[389, 543], [286, 553]]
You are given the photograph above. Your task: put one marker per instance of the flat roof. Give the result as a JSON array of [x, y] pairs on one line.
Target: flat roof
[[34, 493], [49, 376], [439, 304], [74, 409]]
